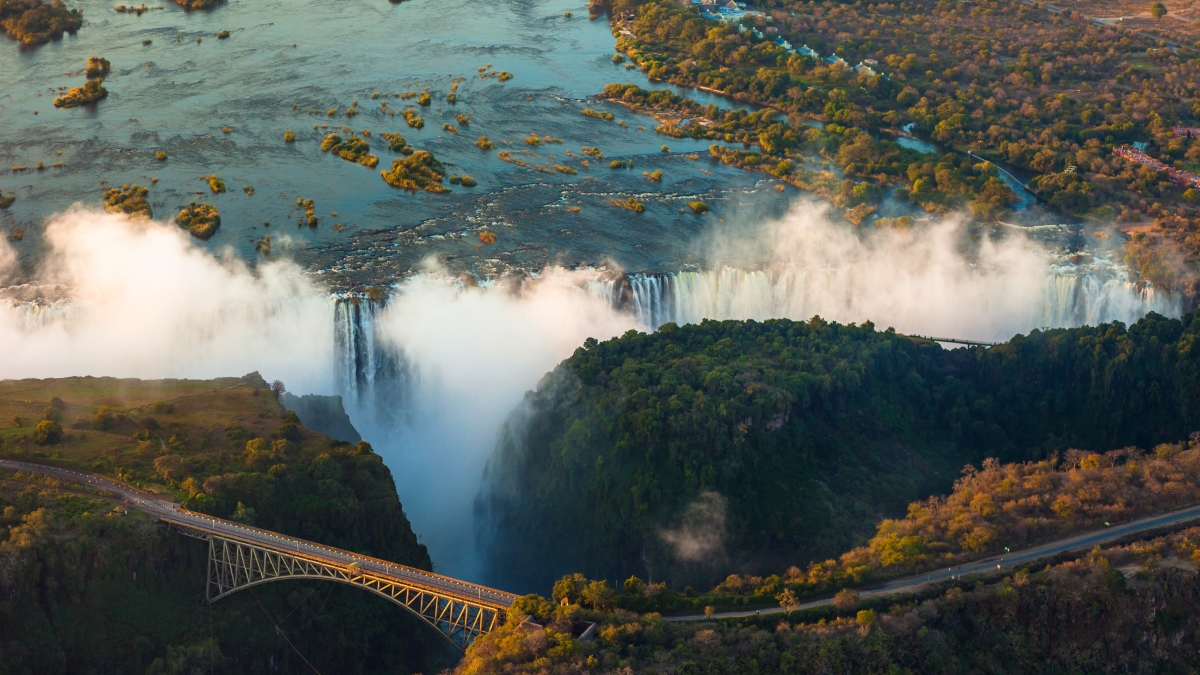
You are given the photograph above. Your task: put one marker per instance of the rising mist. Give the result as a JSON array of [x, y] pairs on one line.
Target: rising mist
[[141, 299]]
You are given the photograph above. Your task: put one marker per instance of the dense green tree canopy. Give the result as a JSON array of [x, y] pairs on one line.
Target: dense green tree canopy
[[698, 449]]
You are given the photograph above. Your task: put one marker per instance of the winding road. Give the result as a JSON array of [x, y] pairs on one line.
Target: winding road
[[992, 564], [170, 512]]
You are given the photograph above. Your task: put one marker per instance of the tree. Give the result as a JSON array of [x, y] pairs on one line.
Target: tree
[[243, 514], [1158, 10], [47, 432], [567, 589], [709, 610], [598, 594], [787, 600], [846, 600], [278, 387]]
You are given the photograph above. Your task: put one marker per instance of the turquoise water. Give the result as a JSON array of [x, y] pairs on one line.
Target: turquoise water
[[177, 95]]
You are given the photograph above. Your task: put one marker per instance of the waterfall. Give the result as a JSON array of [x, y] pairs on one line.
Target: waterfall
[[372, 373], [1070, 298]]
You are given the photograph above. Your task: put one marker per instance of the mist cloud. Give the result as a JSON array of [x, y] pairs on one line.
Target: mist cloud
[[930, 279], [146, 302], [700, 537], [143, 300]]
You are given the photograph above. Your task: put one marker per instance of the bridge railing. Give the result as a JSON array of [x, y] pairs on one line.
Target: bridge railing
[[295, 545]]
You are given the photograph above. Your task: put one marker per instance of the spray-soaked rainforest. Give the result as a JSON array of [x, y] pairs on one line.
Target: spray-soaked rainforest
[[699, 449]]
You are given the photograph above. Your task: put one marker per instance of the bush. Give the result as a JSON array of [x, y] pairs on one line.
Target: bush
[[90, 92], [201, 220], [47, 432], [97, 67], [128, 199], [419, 171]]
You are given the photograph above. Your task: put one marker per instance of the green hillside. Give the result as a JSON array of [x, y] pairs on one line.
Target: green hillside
[[91, 587], [801, 435]]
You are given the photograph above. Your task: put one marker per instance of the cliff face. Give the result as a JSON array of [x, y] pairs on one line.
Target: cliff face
[[323, 414], [90, 587]]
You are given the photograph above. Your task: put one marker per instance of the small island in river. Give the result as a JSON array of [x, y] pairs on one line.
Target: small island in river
[[420, 171], [33, 22]]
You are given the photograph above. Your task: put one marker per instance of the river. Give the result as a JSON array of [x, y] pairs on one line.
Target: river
[[431, 376]]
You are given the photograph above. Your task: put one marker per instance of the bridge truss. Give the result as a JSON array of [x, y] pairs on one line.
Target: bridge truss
[[234, 564]]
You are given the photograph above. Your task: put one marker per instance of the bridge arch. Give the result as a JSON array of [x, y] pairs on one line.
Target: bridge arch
[[234, 564]]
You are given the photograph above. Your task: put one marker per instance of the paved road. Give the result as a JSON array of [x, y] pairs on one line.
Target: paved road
[[992, 564], [170, 512]]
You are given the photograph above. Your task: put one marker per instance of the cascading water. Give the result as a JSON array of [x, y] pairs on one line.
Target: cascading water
[[1071, 298], [373, 375]]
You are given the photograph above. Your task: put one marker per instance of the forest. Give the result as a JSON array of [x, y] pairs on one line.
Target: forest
[[1049, 94], [685, 454], [1123, 609], [92, 586]]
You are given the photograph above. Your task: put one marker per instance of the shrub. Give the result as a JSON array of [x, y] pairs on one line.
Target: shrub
[[353, 149], [698, 207], [97, 67], [201, 220], [846, 600], [128, 199], [483, 143], [488, 238], [90, 92], [597, 114], [47, 432], [216, 185], [419, 171], [289, 136]]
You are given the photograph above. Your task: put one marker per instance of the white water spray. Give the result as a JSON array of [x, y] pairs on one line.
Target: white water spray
[[430, 376]]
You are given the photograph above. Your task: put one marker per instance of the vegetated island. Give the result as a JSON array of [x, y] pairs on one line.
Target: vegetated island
[[95, 583], [6, 200], [413, 119], [779, 426], [1059, 95], [397, 143], [97, 67], [33, 22], [199, 4], [352, 149], [90, 92], [200, 219], [418, 171], [128, 199]]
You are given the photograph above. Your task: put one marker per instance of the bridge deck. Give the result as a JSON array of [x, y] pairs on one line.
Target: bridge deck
[[173, 514]]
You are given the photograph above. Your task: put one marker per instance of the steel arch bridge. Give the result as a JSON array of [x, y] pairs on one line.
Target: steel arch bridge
[[235, 563], [241, 556]]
